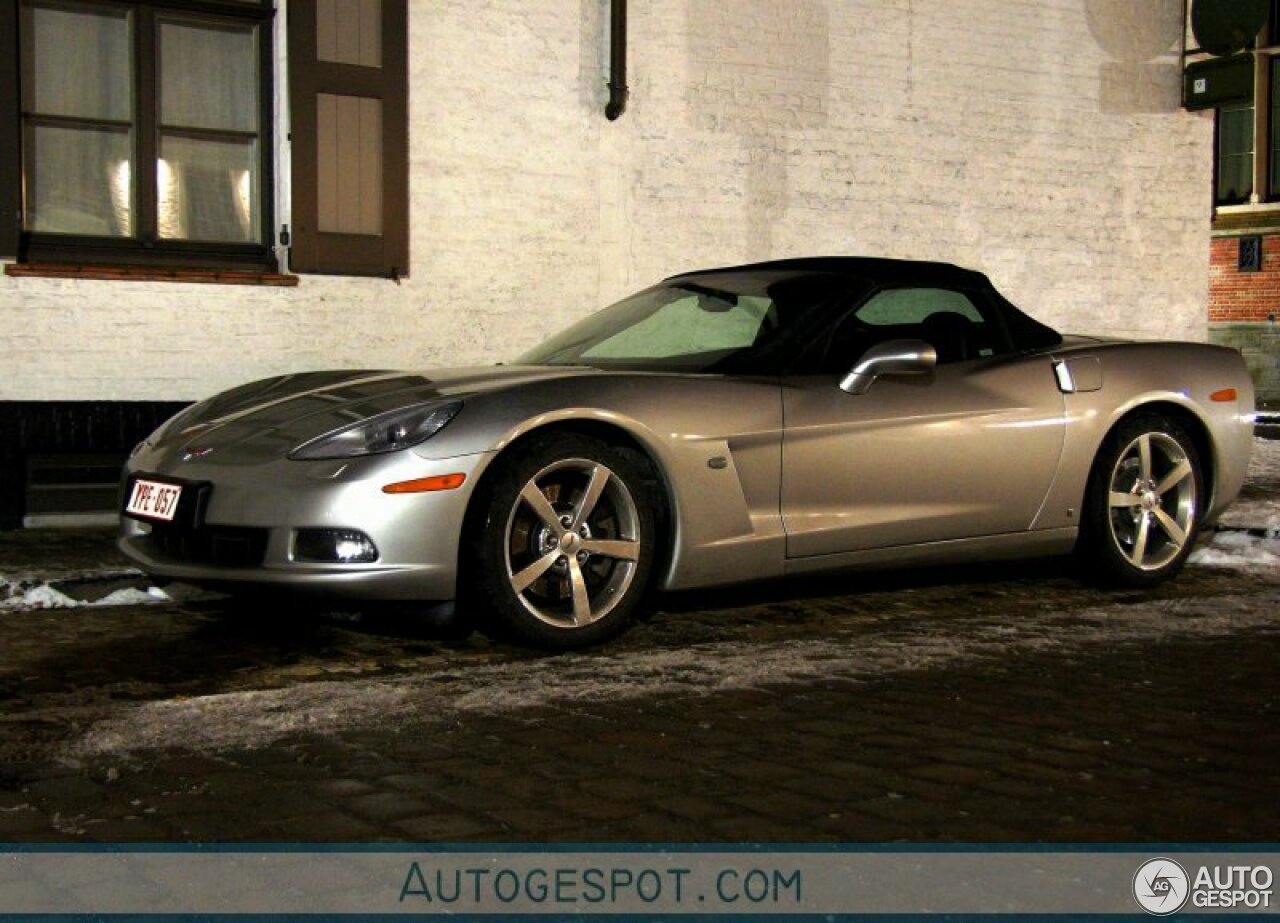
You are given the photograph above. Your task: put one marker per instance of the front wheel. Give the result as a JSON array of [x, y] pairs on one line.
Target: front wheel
[[564, 547], [1144, 502]]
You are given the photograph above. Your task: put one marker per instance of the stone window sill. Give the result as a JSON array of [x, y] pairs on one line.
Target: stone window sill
[[1237, 219]]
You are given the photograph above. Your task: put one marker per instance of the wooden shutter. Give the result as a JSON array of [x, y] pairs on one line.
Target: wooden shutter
[[10, 130], [348, 81]]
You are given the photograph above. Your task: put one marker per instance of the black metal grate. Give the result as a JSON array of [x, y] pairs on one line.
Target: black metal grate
[[56, 428], [1249, 258]]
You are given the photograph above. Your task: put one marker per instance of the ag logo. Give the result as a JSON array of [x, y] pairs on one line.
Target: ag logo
[[1161, 886]]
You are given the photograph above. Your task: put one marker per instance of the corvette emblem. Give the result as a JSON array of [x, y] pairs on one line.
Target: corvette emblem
[[197, 452]]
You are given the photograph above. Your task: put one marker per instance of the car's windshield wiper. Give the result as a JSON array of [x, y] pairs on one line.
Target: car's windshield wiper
[[729, 299]]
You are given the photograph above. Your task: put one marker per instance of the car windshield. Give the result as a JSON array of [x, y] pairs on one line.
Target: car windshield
[[707, 323]]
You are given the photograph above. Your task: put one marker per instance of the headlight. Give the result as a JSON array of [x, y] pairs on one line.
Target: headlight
[[387, 432]]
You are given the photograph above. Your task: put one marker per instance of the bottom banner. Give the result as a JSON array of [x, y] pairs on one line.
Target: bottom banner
[[658, 882]]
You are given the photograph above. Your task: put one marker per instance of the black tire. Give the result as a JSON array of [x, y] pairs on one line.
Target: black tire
[[570, 569], [1144, 503]]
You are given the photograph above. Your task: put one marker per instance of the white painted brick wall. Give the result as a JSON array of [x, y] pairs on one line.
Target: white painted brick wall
[[1038, 140]]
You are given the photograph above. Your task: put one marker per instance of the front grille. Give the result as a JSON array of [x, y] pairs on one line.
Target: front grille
[[188, 539], [227, 546]]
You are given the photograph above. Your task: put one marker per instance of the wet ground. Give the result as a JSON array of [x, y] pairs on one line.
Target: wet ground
[[981, 704]]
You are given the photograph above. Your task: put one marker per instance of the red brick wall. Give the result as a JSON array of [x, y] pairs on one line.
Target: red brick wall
[[1243, 297]]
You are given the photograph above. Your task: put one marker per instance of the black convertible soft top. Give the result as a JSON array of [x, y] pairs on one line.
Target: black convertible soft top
[[1026, 333], [874, 269]]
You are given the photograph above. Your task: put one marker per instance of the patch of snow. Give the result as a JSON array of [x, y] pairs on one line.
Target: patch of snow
[[132, 596], [1239, 549], [19, 596]]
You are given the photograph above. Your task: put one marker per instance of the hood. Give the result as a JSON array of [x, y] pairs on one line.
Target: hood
[[269, 418]]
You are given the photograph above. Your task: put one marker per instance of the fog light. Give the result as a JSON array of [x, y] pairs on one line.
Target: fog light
[[334, 546]]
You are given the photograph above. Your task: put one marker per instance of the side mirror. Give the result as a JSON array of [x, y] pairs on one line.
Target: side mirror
[[892, 357]]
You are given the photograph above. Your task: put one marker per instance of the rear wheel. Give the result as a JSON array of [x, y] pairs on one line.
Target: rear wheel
[[1143, 506], [563, 552]]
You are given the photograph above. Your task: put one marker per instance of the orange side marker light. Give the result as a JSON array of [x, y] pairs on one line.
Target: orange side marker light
[[426, 485], [1224, 396]]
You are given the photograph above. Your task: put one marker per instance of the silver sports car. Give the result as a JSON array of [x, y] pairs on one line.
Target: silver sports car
[[723, 426]]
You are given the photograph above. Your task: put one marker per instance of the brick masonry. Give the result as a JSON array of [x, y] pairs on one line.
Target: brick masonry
[[1039, 140]]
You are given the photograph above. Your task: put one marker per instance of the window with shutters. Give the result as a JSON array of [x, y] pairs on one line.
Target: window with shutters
[[144, 137]]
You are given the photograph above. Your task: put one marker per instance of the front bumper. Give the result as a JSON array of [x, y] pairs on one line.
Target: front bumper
[[245, 530]]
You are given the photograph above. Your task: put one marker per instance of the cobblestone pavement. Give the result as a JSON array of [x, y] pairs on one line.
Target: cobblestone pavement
[[978, 704]]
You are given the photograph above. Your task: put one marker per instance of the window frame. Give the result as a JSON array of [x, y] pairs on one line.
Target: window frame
[[145, 248]]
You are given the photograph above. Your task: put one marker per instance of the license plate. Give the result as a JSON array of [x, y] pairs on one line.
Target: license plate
[[153, 500]]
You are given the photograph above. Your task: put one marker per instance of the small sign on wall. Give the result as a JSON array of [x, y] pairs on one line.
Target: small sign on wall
[[1219, 82]]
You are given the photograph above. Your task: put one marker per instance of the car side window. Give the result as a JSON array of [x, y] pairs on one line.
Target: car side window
[[898, 306], [957, 327]]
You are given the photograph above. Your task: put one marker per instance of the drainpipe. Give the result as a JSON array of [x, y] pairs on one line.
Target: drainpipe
[[617, 60], [1182, 57]]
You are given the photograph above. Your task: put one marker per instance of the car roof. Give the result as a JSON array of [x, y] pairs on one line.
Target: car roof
[[875, 269]]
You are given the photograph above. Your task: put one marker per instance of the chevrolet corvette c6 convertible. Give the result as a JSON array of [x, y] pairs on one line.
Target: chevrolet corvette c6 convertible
[[723, 426]]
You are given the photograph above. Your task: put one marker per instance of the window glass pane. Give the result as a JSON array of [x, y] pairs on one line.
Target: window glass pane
[[208, 77], [208, 190], [80, 62], [79, 181], [1235, 153]]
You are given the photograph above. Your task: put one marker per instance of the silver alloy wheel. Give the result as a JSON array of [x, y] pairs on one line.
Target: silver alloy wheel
[[1152, 501], [572, 543]]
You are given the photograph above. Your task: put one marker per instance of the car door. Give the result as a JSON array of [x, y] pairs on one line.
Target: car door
[[968, 449]]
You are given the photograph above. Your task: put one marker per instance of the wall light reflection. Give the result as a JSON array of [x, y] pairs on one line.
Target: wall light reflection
[[169, 192], [121, 186], [244, 201]]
